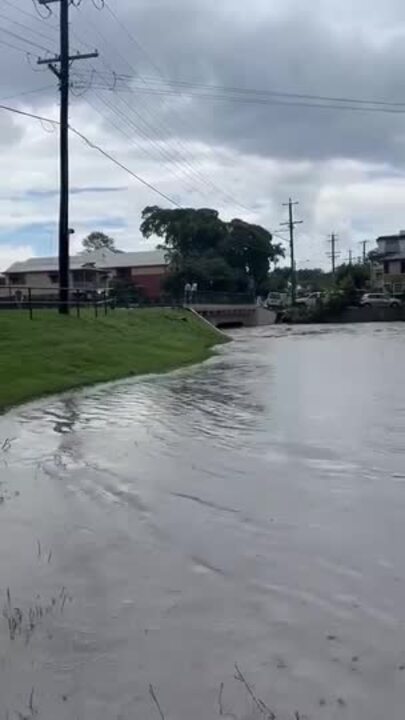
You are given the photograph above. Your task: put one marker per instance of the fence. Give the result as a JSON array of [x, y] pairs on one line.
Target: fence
[[102, 301], [14, 297]]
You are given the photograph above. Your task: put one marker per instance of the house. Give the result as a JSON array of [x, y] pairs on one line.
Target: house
[[388, 263], [90, 271]]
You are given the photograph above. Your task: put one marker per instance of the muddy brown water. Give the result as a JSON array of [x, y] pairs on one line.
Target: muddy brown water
[[249, 511]]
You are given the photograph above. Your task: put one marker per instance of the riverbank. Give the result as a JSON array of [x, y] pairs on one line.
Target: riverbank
[[53, 353]]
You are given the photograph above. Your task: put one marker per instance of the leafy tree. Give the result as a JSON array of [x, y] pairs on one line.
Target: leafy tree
[[97, 241], [124, 293], [309, 279], [357, 275], [249, 248], [202, 248], [210, 273]]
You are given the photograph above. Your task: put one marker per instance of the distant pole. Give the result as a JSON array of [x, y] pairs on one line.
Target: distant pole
[[333, 254], [291, 226], [350, 257], [364, 244]]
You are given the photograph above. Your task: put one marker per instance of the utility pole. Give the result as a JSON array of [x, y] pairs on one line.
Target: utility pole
[[333, 254], [62, 73], [291, 225], [350, 257], [364, 244]]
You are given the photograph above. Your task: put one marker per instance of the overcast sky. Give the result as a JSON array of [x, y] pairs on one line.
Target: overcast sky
[[344, 166]]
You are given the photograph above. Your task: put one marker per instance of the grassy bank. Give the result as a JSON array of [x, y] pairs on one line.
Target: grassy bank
[[52, 353]]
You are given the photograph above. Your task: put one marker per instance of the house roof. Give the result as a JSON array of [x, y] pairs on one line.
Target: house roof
[[145, 258], [99, 259]]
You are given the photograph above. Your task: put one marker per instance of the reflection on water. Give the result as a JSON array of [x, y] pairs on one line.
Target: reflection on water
[[247, 511]]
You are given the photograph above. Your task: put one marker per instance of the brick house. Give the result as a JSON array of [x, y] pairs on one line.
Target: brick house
[[90, 271]]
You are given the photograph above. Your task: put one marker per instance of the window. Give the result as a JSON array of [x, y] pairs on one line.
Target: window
[[402, 267], [54, 277], [392, 245], [124, 273], [386, 267], [17, 279]]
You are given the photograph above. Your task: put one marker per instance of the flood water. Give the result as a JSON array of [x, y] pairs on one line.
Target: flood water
[[250, 511]]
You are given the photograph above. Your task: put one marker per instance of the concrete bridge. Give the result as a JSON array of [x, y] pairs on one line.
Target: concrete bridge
[[234, 314]]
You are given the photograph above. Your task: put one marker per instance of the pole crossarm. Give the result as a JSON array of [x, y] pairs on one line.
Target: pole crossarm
[[71, 58]]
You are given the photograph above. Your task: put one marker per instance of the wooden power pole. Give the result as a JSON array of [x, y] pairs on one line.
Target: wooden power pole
[[364, 244], [291, 225], [333, 254], [60, 66]]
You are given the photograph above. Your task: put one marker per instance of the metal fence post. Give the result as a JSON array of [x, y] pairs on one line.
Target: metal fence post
[[30, 302], [95, 308]]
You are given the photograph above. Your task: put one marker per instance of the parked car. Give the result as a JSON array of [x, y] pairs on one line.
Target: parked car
[[309, 300], [276, 300], [379, 300]]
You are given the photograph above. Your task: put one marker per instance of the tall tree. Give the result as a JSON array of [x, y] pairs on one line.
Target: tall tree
[[250, 249], [203, 248], [97, 241]]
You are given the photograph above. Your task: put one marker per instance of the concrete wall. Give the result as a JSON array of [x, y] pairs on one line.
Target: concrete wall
[[263, 316], [373, 314], [242, 315]]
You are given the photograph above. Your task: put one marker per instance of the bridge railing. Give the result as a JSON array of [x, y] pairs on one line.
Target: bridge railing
[[219, 298]]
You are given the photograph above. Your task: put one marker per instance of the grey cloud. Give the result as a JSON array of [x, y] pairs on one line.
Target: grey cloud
[[329, 48], [284, 48], [10, 132], [295, 51]]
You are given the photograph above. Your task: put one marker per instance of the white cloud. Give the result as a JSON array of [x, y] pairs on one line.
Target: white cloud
[[10, 254]]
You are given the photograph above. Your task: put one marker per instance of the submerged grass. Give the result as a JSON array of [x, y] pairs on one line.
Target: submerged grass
[[52, 353]]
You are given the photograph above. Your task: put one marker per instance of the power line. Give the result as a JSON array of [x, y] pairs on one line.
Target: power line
[[31, 16], [27, 27], [167, 158], [23, 39], [169, 86], [15, 47], [25, 113], [94, 146], [48, 11], [27, 92], [399, 108], [16, 7], [106, 154], [167, 129], [276, 93]]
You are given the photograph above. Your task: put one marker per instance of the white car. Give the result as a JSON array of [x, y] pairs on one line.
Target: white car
[[275, 299], [379, 300], [309, 300]]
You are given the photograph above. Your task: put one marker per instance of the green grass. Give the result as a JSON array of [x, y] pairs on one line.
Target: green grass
[[52, 353]]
